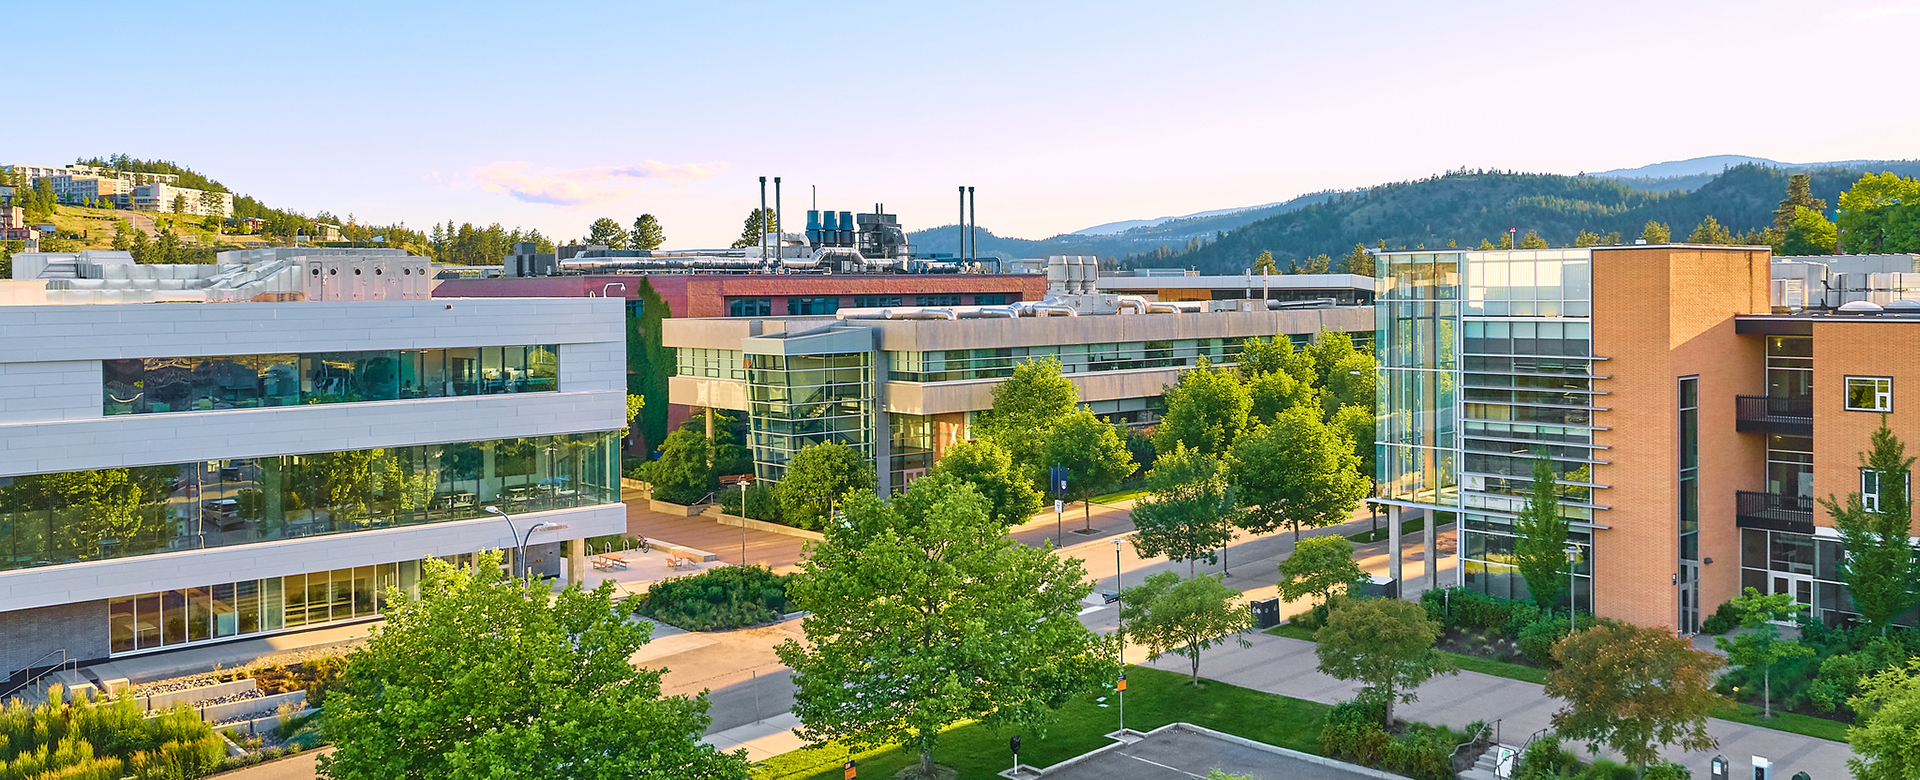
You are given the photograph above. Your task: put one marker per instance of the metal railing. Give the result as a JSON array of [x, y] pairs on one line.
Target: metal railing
[[1767, 414], [1774, 512], [1488, 734], [63, 663]]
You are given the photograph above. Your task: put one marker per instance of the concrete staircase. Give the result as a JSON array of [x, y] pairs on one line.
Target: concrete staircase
[[1489, 766]]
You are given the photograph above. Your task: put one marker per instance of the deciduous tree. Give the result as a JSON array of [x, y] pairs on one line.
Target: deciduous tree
[[1184, 617], [1206, 411], [1762, 647], [986, 466], [1093, 453], [1886, 738], [1025, 407], [1809, 233], [924, 614], [1634, 689], [817, 478], [487, 677], [1320, 566], [1264, 263], [1296, 472], [1189, 510], [1865, 206], [1387, 645], [682, 474], [1879, 568]]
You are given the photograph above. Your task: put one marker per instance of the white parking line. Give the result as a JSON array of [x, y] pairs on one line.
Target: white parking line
[[1162, 766]]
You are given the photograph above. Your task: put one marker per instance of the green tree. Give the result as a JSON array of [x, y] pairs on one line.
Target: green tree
[[1656, 233], [1264, 263], [1189, 509], [1865, 206], [924, 615], [1540, 543], [1184, 617], [1025, 406], [1205, 411], [817, 478], [1902, 228], [1880, 569], [1317, 264], [1296, 472], [1359, 261], [1809, 233], [1264, 356], [759, 221], [1387, 645], [1011, 499], [179, 204], [647, 233], [1710, 231], [1329, 350], [1634, 689], [1274, 392], [1886, 737], [1485, 246], [1799, 196], [1356, 424], [1320, 566], [1352, 381], [1506, 241], [634, 404], [608, 233], [1762, 647], [1533, 240], [1584, 239], [682, 475], [487, 677], [1094, 454]]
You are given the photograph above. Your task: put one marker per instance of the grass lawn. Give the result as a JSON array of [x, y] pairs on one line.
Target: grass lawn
[[1467, 662], [1122, 495], [1793, 722], [1156, 699], [1291, 631], [1406, 527]]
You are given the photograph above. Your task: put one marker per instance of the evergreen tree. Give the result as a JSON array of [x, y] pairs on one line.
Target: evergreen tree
[[607, 233], [1533, 240], [1485, 246], [1359, 261], [1585, 239], [647, 233], [1710, 231], [1539, 549], [1656, 233], [1799, 196], [1264, 263], [758, 221], [1880, 569], [1318, 264]]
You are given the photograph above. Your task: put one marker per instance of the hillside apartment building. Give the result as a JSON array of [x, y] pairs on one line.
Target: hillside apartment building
[[1693, 406], [195, 458]]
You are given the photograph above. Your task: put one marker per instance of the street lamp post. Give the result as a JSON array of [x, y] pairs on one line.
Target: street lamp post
[[743, 518], [520, 553], [1120, 686], [1573, 613]]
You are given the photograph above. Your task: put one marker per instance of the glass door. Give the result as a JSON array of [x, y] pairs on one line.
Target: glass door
[[1689, 597], [1800, 585]]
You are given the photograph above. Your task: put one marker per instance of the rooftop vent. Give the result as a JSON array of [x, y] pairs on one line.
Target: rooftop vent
[[1903, 307], [1860, 308]]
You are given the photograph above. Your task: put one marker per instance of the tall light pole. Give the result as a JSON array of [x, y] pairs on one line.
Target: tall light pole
[[743, 519], [1120, 685], [1573, 612], [520, 567]]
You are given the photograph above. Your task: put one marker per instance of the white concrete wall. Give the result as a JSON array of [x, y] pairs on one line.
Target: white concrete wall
[[90, 580]]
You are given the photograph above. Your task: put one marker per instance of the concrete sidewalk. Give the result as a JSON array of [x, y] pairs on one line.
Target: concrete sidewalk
[[1288, 667]]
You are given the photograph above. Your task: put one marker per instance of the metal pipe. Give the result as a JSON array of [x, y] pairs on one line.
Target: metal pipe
[[777, 245], [763, 218], [960, 228], [973, 218]]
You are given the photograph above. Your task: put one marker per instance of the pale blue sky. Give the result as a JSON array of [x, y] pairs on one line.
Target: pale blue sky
[[1064, 115]]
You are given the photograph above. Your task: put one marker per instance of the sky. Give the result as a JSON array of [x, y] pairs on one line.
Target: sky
[[1062, 115]]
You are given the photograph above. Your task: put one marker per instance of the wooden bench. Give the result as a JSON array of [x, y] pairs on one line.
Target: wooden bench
[[608, 564], [677, 562]]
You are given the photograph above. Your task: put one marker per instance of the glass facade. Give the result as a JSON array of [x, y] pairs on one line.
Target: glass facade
[[875, 301], [50, 519], [1689, 521], [945, 299], [797, 400], [958, 364], [806, 306], [237, 609], [187, 384], [1486, 364], [1808, 567], [750, 307], [715, 363]]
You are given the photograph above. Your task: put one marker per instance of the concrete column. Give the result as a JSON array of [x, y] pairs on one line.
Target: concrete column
[[1393, 547], [576, 561], [1432, 545]]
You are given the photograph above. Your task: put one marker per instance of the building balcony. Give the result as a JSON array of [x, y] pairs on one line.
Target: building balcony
[[1765, 414], [1774, 512]]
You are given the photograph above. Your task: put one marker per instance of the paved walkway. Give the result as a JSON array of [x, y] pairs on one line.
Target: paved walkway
[[1288, 667]]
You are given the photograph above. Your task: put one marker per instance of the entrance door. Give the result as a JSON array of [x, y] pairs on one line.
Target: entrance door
[[1689, 597], [1800, 585]]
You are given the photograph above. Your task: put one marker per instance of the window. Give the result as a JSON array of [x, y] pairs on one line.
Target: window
[[1869, 394], [875, 301], [750, 307], [635, 308], [938, 300], [1870, 489], [800, 306], [175, 384], [993, 299]]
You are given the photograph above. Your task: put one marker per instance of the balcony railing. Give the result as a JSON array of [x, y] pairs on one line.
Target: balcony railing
[[1766, 414], [1774, 512]]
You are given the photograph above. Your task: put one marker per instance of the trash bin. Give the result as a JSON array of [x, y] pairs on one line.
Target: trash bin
[[1266, 613], [1381, 587]]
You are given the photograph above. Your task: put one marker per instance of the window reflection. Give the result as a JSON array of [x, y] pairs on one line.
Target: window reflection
[[48, 519], [151, 385], [235, 609]]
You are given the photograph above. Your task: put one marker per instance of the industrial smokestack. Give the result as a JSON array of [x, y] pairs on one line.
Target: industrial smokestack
[[973, 232], [763, 217], [961, 227], [777, 247]]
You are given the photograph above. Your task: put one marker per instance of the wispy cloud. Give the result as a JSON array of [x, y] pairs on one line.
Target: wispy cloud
[[529, 183], [1875, 13]]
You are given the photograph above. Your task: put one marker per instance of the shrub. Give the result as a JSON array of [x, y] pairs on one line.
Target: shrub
[[1723, 619], [718, 599], [106, 739], [761, 505], [1667, 770], [1605, 769], [1355, 735], [1536, 640], [1422, 753], [1545, 760]]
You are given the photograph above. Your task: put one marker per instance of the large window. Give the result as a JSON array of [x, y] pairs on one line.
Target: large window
[[750, 307], [993, 363], [1690, 468], [948, 299], [798, 400], [990, 299], [805, 306], [1869, 394], [151, 385], [237, 609], [50, 519], [875, 301]]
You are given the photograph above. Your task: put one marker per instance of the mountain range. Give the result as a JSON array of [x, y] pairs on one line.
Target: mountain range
[[1463, 206]]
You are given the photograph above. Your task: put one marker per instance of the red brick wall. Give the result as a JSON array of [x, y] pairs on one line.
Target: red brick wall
[[706, 295]]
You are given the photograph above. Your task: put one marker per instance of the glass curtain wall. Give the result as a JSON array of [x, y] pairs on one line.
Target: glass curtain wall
[[1416, 315], [198, 384], [50, 519], [994, 363], [1526, 392], [797, 400], [238, 609]]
